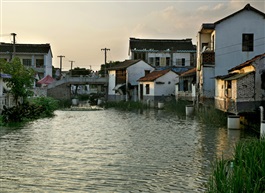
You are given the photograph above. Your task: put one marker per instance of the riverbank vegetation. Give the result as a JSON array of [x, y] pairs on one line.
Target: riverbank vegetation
[[245, 172], [32, 108]]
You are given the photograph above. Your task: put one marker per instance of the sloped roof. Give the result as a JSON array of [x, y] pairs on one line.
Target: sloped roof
[[237, 76], [190, 72], [176, 69], [211, 26], [247, 63], [161, 44], [46, 80], [154, 75], [123, 65], [25, 48], [248, 7]]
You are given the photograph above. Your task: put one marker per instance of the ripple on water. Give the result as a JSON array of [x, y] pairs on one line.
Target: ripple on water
[[110, 151]]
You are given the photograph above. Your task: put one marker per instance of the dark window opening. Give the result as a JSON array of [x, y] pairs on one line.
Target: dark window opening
[[27, 62], [147, 89], [185, 85], [247, 42], [168, 61], [39, 63], [263, 81], [146, 72], [157, 62]]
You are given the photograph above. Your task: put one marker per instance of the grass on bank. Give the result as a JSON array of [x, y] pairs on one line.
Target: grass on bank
[[244, 173], [126, 105]]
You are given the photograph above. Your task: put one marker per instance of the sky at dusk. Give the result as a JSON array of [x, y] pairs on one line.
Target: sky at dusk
[[80, 29]]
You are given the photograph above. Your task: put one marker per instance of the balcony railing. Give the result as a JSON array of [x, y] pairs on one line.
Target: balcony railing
[[208, 57]]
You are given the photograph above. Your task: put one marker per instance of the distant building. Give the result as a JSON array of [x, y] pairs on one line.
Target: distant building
[[123, 78], [157, 86], [186, 87], [225, 44], [163, 52], [36, 56]]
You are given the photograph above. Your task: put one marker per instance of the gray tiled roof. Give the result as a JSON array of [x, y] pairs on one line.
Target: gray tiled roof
[[161, 44], [123, 65], [25, 48]]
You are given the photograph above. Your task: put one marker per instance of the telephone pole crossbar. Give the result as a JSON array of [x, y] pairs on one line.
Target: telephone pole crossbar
[[105, 50]]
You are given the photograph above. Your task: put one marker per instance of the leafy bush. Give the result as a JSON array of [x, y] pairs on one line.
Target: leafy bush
[[48, 105]]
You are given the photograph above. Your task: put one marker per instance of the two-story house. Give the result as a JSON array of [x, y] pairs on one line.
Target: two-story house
[[123, 78], [225, 44], [163, 52], [36, 56]]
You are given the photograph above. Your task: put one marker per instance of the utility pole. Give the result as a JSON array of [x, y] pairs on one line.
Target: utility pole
[[71, 66], [14, 44], [60, 63], [105, 50]]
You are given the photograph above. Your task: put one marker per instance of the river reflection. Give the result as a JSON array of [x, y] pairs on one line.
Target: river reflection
[[112, 151]]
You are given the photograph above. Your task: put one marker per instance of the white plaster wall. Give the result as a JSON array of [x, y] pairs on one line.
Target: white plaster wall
[[228, 36], [208, 82], [112, 82], [170, 79], [180, 56], [137, 71], [48, 64]]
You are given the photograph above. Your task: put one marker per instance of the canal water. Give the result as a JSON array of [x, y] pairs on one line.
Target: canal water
[[112, 151]]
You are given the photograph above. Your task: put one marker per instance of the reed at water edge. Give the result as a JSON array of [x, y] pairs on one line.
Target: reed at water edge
[[245, 172]]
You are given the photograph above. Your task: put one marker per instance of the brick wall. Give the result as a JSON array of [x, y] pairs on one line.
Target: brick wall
[[60, 92]]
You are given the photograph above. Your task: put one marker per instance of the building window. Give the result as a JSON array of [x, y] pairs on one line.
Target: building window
[[157, 62], [263, 81], [146, 72], [27, 62], [147, 89], [39, 63], [151, 61], [247, 42], [185, 85], [168, 61], [181, 62]]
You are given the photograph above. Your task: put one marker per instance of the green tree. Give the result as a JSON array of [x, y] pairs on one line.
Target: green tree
[[80, 71], [22, 79], [104, 67]]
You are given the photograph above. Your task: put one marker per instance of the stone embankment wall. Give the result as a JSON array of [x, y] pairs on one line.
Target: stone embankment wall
[[60, 92]]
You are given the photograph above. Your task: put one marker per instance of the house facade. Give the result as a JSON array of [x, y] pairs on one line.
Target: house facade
[[225, 44], [36, 56], [164, 52], [243, 89], [186, 87], [157, 86], [123, 78]]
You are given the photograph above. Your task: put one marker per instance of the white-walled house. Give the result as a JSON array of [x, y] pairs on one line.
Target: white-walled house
[[243, 89], [123, 78], [36, 56], [163, 52], [185, 88], [157, 86], [225, 44]]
